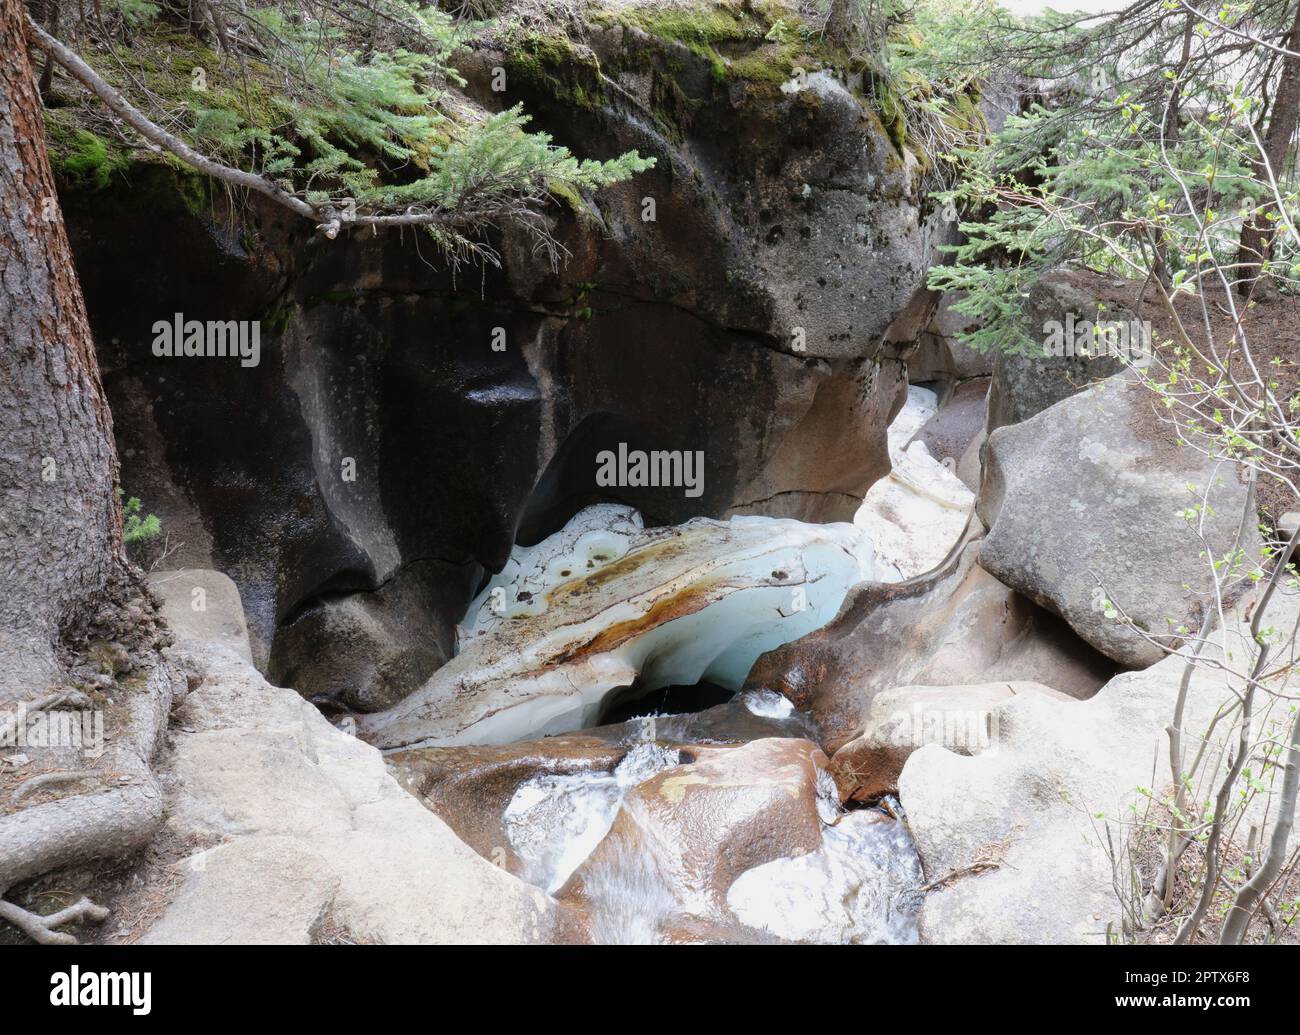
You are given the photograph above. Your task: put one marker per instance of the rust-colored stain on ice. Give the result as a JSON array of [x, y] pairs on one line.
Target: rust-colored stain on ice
[[689, 600]]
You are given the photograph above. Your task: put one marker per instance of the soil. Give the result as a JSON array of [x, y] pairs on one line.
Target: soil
[[1277, 926], [1272, 328]]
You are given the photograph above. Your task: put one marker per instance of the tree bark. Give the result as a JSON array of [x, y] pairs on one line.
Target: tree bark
[[839, 23], [1256, 246], [61, 552], [1251, 894]]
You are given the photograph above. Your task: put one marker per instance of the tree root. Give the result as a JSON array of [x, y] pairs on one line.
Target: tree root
[[105, 823], [57, 699], [952, 876], [43, 780], [41, 929]]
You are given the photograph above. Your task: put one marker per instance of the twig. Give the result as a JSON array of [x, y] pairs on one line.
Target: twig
[[978, 867]]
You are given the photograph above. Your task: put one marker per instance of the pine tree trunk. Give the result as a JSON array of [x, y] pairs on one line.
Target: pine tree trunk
[[61, 553], [1257, 235], [839, 23]]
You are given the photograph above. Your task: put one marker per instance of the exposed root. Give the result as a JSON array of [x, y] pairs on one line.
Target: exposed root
[[75, 700], [974, 869], [41, 929], [109, 822], [44, 780]]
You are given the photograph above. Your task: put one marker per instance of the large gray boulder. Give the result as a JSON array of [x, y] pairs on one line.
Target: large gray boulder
[[1085, 504], [302, 833], [901, 720], [1036, 838]]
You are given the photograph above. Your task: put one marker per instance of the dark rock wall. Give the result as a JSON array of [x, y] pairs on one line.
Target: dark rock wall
[[774, 212]]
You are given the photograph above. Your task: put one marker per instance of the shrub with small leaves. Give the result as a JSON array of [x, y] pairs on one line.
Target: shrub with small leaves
[[135, 527]]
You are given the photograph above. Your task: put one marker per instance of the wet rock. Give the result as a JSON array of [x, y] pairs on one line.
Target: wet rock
[[695, 828], [955, 625], [748, 844], [665, 606], [902, 719], [470, 787], [1088, 502], [751, 715], [858, 888], [552, 823]]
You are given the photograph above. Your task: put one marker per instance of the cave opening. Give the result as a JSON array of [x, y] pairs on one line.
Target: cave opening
[[636, 702]]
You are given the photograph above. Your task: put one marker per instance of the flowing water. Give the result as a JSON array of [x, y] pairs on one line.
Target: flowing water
[[859, 887], [554, 822]]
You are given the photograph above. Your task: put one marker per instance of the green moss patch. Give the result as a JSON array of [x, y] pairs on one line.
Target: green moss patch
[[552, 64], [82, 160]]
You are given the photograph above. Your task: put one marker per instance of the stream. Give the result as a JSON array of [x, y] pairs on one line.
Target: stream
[[709, 813]]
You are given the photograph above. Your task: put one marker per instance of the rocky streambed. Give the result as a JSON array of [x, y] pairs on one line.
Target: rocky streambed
[[753, 730], [710, 823], [852, 682], [719, 824]]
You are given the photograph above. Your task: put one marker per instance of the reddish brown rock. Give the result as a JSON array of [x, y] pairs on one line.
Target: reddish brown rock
[[470, 787], [695, 828], [955, 625]]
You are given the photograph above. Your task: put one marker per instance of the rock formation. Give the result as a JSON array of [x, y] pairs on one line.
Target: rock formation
[[604, 608], [1096, 512], [955, 625], [384, 456]]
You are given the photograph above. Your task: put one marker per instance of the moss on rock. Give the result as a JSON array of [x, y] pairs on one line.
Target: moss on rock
[[554, 64], [81, 160]]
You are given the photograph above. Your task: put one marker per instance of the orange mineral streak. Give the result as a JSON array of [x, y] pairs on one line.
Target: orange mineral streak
[[698, 594], [687, 601], [694, 597], [657, 553]]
